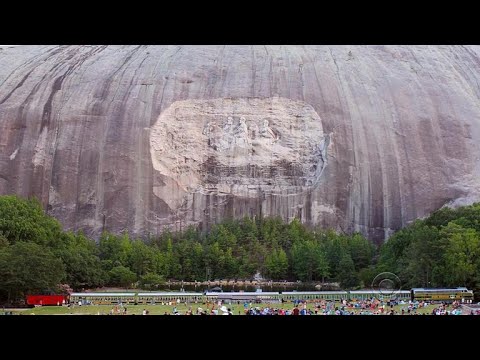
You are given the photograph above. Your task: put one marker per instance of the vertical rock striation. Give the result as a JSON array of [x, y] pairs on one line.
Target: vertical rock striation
[[359, 138]]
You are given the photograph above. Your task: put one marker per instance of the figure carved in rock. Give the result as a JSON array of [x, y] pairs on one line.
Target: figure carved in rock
[[241, 134], [226, 139], [268, 132], [229, 125], [209, 131], [241, 130], [254, 131]]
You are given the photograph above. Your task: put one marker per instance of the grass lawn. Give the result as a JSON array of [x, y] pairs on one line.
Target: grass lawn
[[162, 309]]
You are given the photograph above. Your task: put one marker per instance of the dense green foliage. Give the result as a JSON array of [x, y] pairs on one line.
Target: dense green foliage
[[36, 255], [28, 267], [441, 250], [22, 220]]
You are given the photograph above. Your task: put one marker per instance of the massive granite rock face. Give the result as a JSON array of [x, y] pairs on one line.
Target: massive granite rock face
[[359, 138], [251, 156]]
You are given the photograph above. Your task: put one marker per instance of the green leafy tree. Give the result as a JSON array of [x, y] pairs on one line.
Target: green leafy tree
[[230, 264], [335, 248], [151, 281], [367, 275], [159, 261], [245, 230], [141, 258], [309, 261], [122, 276], [84, 269], [25, 220], [172, 265], [423, 257], [465, 216], [282, 264], [276, 264], [296, 233], [462, 255], [347, 275], [222, 236], [82, 264], [26, 267], [214, 260], [394, 253], [3, 241], [183, 254], [322, 268], [362, 251], [247, 264], [114, 250]]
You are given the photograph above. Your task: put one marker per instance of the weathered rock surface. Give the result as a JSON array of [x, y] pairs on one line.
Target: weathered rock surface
[[137, 138]]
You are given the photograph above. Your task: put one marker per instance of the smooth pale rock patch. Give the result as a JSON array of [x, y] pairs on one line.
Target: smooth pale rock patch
[[138, 138]]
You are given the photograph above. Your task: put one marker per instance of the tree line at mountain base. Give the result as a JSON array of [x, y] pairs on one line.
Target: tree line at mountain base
[[37, 255]]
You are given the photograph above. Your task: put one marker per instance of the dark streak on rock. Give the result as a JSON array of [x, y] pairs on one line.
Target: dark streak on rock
[[16, 87], [373, 182]]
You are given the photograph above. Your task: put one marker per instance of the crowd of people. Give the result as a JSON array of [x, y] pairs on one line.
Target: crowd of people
[[371, 306]]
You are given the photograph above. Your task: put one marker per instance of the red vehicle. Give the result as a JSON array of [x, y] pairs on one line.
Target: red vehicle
[[43, 300]]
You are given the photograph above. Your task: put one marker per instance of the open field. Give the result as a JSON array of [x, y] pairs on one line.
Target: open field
[[168, 309]]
